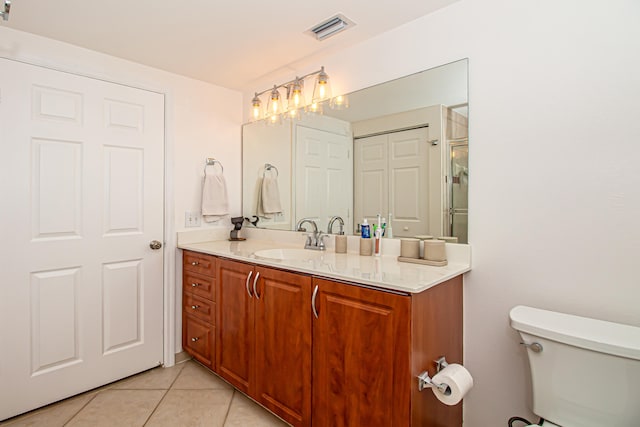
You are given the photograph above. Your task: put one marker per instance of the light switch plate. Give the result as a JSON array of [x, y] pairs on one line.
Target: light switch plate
[[192, 219]]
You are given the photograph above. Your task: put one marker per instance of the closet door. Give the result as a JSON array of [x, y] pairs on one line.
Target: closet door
[[408, 164], [81, 295], [371, 178]]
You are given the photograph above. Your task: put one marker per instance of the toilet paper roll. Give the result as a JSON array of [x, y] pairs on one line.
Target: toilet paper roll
[[458, 382]]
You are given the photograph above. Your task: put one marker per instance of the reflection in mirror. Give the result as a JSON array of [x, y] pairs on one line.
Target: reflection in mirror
[[399, 151]]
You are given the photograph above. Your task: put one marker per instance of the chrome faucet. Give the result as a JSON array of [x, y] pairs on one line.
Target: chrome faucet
[[332, 221], [314, 241]]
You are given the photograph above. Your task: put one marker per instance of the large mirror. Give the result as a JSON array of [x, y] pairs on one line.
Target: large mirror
[[397, 154]]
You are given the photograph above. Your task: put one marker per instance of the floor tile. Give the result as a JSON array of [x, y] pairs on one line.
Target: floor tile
[[192, 408], [122, 408], [154, 379], [246, 413], [55, 415], [196, 377]]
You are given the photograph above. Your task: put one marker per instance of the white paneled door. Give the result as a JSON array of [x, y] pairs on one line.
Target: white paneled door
[[392, 176], [324, 176], [81, 291]]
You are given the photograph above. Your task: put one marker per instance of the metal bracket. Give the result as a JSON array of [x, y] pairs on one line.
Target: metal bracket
[[425, 381]]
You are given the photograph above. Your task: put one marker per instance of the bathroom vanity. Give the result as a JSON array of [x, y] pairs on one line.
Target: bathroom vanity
[[315, 344]]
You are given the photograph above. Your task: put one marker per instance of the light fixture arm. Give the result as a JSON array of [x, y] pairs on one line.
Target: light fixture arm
[[288, 84]]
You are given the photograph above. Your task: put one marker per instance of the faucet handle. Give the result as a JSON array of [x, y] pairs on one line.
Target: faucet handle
[[320, 240]]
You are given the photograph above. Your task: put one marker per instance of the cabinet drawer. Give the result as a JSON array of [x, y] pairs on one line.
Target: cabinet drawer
[[199, 285], [198, 307], [198, 339], [199, 263]]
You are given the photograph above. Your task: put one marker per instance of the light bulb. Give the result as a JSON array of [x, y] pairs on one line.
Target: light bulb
[[296, 98], [256, 108], [322, 89], [339, 102], [314, 108]]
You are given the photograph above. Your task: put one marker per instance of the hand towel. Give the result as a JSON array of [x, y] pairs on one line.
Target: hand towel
[[215, 203], [269, 198]]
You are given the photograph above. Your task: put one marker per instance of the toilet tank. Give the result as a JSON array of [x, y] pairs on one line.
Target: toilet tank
[[588, 372]]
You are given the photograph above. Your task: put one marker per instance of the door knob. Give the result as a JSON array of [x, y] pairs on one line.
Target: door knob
[[155, 245]]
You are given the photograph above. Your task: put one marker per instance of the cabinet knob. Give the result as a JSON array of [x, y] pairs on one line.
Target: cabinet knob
[[195, 284], [195, 307], [195, 263], [195, 339]]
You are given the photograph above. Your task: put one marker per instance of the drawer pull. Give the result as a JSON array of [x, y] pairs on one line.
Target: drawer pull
[[195, 307], [246, 284], [195, 263], [195, 339], [195, 284], [255, 291], [313, 302]]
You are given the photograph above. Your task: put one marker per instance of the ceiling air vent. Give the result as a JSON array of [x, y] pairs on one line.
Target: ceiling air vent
[[331, 27]]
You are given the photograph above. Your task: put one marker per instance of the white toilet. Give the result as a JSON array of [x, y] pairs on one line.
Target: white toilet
[[584, 372]]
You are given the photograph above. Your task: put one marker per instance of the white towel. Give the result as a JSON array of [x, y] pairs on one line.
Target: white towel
[[269, 198], [215, 203]]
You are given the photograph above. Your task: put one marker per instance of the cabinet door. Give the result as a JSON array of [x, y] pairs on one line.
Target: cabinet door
[[283, 344], [235, 323], [361, 354]]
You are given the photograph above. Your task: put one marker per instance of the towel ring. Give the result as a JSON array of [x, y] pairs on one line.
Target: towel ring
[[212, 162], [268, 167]]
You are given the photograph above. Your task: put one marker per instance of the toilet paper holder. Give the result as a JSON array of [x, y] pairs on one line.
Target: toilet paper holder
[[425, 381]]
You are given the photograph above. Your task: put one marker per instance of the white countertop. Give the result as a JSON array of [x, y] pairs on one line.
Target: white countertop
[[384, 272]]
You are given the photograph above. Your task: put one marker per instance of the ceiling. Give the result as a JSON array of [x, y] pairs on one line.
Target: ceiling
[[230, 43]]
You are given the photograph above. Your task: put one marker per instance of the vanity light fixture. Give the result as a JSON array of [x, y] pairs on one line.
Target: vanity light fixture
[[5, 11], [295, 99]]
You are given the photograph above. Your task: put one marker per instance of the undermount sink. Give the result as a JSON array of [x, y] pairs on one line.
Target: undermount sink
[[287, 254]]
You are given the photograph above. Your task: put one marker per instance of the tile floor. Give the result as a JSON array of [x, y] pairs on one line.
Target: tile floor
[[184, 395]]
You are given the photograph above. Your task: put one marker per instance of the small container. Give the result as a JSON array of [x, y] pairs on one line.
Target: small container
[[365, 230], [435, 250], [410, 248], [377, 242], [341, 244], [366, 247]]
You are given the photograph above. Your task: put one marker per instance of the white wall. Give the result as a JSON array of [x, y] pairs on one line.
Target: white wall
[[202, 120], [554, 185]]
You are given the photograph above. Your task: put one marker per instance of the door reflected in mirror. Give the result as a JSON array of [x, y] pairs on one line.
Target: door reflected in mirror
[[399, 151]]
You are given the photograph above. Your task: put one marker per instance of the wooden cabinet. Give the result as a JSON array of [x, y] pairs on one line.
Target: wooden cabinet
[[368, 348], [264, 337], [360, 356], [198, 306], [322, 352]]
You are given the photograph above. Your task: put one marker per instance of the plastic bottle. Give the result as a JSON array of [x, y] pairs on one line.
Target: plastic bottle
[[365, 229]]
